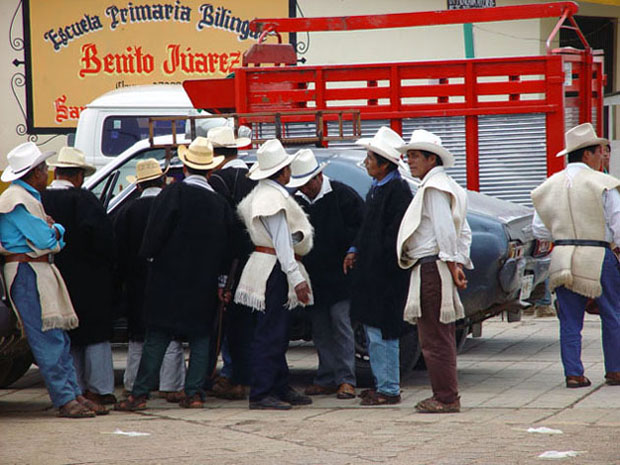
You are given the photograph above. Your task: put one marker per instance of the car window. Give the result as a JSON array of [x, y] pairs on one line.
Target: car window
[[121, 132]]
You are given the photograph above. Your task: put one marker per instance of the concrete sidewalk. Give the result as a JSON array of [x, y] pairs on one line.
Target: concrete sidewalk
[[511, 379]]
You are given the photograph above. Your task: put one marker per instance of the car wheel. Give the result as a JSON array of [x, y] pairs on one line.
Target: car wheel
[[13, 369], [409, 351]]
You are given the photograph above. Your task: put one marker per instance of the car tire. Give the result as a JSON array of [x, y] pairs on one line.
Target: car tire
[[14, 368]]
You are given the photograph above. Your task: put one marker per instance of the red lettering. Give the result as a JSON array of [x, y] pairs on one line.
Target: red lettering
[[90, 63]]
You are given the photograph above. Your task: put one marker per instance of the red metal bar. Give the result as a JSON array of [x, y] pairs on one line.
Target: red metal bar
[[472, 159], [422, 18], [555, 119]]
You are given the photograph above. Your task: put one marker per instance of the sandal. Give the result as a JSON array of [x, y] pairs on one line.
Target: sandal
[[318, 390], [346, 391], [377, 398], [432, 405], [194, 401], [95, 407], [577, 382], [366, 393], [173, 397], [74, 409], [131, 404]]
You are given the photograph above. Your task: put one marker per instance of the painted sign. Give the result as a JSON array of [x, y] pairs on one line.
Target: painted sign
[[77, 51], [466, 4]]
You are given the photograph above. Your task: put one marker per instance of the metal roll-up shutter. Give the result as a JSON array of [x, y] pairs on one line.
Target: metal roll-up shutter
[[513, 155]]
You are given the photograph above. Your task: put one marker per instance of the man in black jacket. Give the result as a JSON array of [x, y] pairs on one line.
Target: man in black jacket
[[186, 243], [129, 225], [336, 213], [87, 267], [379, 284]]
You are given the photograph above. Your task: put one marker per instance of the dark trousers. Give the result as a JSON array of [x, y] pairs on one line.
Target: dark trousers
[[155, 345], [269, 367], [437, 339], [239, 333]]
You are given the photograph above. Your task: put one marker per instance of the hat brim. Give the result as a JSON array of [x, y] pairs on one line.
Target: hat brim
[[240, 142], [256, 173], [446, 157], [88, 169], [8, 175], [296, 182], [134, 179], [368, 145], [183, 151], [595, 141]]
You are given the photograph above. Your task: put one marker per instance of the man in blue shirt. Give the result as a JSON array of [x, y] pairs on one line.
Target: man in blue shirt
[[29, 238]]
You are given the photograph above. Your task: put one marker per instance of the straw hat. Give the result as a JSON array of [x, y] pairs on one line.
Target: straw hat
[[270, 158], [22, 159], [199, 155], [579, 137], [70, 157], [384, 144], [147, 170], [224, 136], [304, 167], [421, 139]]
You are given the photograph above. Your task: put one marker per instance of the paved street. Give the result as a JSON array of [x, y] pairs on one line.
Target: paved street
[[511, 380]]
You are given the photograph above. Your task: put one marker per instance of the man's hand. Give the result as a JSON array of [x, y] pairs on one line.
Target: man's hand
[[349, 262], [458, 275], [224, 295], [303, 292], [50, 221]]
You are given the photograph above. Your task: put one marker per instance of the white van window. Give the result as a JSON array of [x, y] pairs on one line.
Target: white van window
[[121, 132]]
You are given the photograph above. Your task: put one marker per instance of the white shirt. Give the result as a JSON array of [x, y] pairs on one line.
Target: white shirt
[[436, 234], [611, 210], [60, 184], [150, 192], [199, 181], [278, 230], [326, 188], [235, 163]]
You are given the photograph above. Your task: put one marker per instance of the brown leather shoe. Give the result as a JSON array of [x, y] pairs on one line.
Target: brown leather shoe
[[377, 398], [577, 382], [103, 399], [612, 378], [318, 390], [174, 397], [346, 391], [194, 401], [432, 405], [94, 406]]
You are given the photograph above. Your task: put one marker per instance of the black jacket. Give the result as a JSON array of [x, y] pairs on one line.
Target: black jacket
[[379, 285], [86, 262], [187, 240], [336, 219]]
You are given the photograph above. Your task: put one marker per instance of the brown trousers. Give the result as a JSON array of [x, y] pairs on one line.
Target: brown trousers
[[437, 339]]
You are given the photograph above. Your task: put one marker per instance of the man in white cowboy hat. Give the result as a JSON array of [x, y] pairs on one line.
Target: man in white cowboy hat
[[379, 285], [273, 280], [579, 209], [29, 238], [433, 240], [336, 213], [230, 180], [129, 225], [87, 266], [186, 242]]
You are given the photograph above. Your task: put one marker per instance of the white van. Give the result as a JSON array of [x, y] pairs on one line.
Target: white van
[[118, 119]]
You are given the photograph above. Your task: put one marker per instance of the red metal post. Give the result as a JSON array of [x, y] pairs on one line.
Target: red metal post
[[471, 130], [555, 119]]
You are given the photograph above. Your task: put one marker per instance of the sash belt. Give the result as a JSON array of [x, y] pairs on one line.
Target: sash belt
[[582, 242], [272, 251], [22, 257], [427, 259]]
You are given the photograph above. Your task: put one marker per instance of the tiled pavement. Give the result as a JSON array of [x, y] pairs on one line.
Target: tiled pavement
[[510, 379]]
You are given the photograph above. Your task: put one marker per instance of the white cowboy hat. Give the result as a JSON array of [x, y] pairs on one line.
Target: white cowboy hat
[[304, 168], [22, 159], [579, 137], [147, 170], [421, 139], [70, 157], [199, 155], [224, 136], [270, 158], [384, 144]]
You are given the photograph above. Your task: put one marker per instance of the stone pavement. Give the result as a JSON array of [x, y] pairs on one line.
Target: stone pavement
[[510, 379]]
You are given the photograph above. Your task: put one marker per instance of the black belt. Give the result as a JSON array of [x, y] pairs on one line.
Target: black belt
[[428, 259], [582, 242]]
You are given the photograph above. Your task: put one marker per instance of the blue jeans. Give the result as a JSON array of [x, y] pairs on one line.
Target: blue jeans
[[571, 312], [332, 334], [384, 361], [51, 349]]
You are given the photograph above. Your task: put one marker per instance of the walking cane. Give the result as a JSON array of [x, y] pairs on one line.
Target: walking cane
[[221, 308]]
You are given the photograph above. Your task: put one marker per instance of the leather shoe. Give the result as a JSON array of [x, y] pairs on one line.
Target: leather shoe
[[377, 398], [295, 398], [318, 390], [432, 405], [612, 378], [346, 391], [270, 403], [103, 399], [577, 382]]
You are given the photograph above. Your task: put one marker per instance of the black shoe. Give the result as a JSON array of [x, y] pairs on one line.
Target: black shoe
[[295, 398], [269, 403]]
